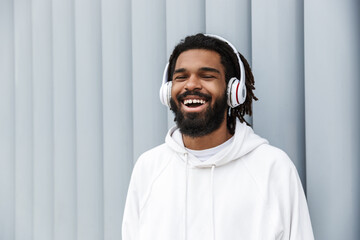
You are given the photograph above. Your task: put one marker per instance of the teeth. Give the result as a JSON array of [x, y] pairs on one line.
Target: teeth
[[190, 101]]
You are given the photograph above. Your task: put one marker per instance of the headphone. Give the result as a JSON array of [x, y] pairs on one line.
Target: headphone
[[236, 89]]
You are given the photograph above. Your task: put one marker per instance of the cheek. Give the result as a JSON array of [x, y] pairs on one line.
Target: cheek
[[217, 89]]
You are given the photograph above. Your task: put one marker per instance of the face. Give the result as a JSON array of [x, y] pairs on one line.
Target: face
[[198, 96]]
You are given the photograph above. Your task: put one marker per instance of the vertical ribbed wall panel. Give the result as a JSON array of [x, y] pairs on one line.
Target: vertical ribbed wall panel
[[278, 66], [79, 102], [43, 120], [7, 121], [23, 121], [193, 23], [178, 27], [89, 120], [117, 107], [235, 26], [149, 58], [332, 73], [65, 203]]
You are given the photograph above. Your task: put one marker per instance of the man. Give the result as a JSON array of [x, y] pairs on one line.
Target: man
[[213, 178]]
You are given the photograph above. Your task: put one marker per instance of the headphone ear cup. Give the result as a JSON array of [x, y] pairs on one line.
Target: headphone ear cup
[[236, 92], [165, 93]]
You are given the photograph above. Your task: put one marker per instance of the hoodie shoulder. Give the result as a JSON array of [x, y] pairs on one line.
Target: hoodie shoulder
[[154, 157], [152, 162], [149, 166], [269, 155], [269, 165]]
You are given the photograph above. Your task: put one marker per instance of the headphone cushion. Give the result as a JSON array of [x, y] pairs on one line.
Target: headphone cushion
[[236, 92], [165, 93]]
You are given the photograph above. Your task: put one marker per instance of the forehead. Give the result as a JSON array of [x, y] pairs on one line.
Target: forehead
[[198, 58]]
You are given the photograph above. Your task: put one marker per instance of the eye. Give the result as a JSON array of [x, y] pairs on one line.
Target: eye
[[207, 76], [180, 77]]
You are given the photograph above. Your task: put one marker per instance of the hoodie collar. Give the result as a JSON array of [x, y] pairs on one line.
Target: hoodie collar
[[245, 140]]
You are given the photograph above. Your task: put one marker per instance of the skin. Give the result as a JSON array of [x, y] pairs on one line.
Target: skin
[[201, 70]]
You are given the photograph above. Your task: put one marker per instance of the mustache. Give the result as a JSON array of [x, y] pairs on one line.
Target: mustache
[[207, 97]]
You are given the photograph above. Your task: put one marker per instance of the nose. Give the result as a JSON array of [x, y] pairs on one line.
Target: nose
[[193, 83]]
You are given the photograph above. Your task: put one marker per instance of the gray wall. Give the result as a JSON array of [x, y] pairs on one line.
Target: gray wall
[[332, 84], [79, 86]]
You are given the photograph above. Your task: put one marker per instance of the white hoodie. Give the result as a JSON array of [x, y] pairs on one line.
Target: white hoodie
[[249, 190]]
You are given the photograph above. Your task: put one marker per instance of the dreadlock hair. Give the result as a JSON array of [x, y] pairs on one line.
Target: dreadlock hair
[[232, 69]]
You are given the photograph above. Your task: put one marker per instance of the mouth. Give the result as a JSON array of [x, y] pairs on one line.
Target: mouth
[[192, 101], [194, 104]]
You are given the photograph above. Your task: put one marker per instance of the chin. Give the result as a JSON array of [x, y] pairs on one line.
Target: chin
[[199, 124]]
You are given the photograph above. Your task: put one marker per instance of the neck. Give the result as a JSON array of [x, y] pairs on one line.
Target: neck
[[210, 140]]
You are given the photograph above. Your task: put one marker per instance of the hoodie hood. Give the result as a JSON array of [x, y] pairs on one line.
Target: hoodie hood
[[245, 141]]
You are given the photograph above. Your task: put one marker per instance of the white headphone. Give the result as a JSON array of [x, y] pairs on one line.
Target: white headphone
[[236, 89]]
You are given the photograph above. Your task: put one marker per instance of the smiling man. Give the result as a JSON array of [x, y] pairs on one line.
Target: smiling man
[[213, 178]]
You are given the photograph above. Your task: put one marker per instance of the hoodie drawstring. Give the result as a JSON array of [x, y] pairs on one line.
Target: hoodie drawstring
[[211, 198], [186, 190], [212, 201]]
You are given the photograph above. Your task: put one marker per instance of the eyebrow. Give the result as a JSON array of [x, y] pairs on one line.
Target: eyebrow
[[204, 69], [180, 70], [209, 69]]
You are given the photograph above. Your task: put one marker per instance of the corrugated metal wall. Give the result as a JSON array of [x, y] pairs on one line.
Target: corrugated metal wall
[[79, 84]]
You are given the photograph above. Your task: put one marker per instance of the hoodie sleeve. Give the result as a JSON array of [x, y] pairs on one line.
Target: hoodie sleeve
[[130, 224], [300, 224]]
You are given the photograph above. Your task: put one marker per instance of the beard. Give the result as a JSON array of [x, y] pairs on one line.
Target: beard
[[199, 124]]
